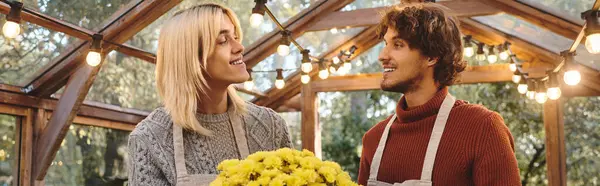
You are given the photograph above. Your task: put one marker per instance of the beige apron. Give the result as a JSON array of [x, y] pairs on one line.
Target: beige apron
[[434, 141], [185, 179]]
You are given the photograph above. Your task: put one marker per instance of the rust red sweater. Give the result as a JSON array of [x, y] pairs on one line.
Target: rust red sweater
[[476, 147]]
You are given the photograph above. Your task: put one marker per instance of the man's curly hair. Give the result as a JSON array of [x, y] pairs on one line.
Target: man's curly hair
[[429, 28]]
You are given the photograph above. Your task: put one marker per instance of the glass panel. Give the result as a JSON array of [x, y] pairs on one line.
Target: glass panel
[[368, 4], [34, 48], [7, 149], [317, 42], [538, 36], [90, 156], [368, 62], [524, 119], [345, 117], [126, 82], [582, 138], [90, 14], [294, 123], [566, 9], [147, 39]]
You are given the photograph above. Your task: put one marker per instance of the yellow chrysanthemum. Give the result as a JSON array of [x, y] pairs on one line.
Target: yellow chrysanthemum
[[328, 173], [227, 164], [272, 161]]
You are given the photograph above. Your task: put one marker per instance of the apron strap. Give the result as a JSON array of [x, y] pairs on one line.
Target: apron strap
[[181, 170], [436, 136], [379, 152], [239, 134]]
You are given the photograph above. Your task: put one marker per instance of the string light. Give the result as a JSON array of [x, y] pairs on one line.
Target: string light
[[94, 56], [334, 30], [279, 83], [336, 60], [522, 87], [492, 57], [592, 31], [553, 91], [541, 96], [12, 27], [249, 84], [572, 76], [469, 51], [284, 44], [305, 78], [306, 62], [347, 65], [504, 51], [516, 76], [480, 53], [323, 73], [257, 13], [512, 66], [531, 87]]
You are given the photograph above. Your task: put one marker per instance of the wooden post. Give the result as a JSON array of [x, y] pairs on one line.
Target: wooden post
[[555, 143], [25, 130], [311, 130]]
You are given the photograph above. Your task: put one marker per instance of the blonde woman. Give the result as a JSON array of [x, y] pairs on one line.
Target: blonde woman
[[203, 121]]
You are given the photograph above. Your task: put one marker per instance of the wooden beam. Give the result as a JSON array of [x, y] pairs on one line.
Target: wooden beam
[[276, 97], [555, 143], [13, 110], [267, 45], [118, 31], [25, 141], [89, 121], [537, 17], [138, 53], [89, 108], [10, 88], [68, 106], [372, 16], [311, 129]]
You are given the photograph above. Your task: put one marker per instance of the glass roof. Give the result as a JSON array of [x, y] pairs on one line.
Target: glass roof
[[126, 82], [317, 42], [21, 58], [538, 36], [368, 4], [87, 14], [147, 39], [567, 9], [368, 62]]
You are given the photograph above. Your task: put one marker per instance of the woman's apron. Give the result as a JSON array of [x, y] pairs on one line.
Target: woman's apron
[[434, 141], [185, 179]]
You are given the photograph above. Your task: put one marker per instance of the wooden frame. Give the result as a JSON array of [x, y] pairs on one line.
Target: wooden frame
[[555, 142]]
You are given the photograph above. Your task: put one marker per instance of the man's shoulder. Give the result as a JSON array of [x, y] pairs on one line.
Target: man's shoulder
[[472, 110], [376, 131]]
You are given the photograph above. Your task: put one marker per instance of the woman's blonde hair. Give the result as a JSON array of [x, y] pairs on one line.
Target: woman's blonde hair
[[184, 44]]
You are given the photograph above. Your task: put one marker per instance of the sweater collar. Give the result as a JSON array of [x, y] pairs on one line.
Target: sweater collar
[[432, 107]]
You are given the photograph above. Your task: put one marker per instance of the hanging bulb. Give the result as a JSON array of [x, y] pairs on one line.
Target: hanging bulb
[[336, 60], [522, 88], [469, 51], [516, 76], [279, 83], [323, 74], [306, 62], [93, 57], [348, 65], [554, 93], [480, 53], [305, 78], [512, 66], [503, 51], [530, 95], [11, 28], [541, 97], [284, 43], [531, 87], [503, 55], [332, 70], [257, 13], [572, 77], [492, 57], [334, 31], [592, 31]]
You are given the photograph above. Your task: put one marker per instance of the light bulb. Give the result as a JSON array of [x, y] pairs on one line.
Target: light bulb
[[305, 79], [249, 85], [592, 43], [343, 70], [93, 58], [554, 93], [503, 55], [306, 67], [11, 29], [283, 50], [336, 60], [522, 88], [279, 83], [332, 70], [469, 51], [572, 77], [348, 66], [516, 78], [256, 20], [334, 31], [512, 67], [541, 97], [323, 74], [531, 94], [480, 57], [492, 58]]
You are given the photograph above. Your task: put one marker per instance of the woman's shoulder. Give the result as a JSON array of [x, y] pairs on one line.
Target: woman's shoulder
[[158, 121], [260, 112]]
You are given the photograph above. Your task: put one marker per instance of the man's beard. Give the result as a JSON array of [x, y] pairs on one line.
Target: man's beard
[[405, 86]]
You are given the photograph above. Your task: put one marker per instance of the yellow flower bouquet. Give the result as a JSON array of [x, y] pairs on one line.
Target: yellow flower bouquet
[[282, 167]]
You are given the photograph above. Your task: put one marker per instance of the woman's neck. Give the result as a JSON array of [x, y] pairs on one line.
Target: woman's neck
[[215, 102]]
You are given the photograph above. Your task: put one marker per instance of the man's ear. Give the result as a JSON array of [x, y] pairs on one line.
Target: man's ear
[[431, 61]]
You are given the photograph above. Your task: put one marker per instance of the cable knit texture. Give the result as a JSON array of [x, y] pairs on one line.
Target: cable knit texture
[[476, 147], [152, 159]]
